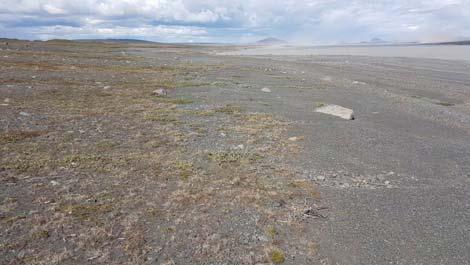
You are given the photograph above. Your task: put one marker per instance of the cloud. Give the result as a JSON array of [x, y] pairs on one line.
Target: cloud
[[317, 21]]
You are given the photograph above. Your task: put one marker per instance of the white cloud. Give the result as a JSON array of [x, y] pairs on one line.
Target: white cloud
[[53, 10], [307, 20]]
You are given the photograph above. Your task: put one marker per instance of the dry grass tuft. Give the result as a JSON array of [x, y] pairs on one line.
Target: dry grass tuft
[[233, 156], [277, 256], [229, 109], [87, 212], [16, 136]]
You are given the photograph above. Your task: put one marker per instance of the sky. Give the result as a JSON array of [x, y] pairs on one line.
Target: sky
[[238, 21]]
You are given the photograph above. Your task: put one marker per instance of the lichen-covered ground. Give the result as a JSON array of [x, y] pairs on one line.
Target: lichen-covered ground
[[94, 169]]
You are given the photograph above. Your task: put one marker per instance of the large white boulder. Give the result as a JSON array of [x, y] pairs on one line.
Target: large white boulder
[[337, 111]]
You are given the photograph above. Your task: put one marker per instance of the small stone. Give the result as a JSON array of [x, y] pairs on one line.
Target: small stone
[[266, 89], [293, 139], [21, 254], [239, 147], [235, 181], [161, 92], [22, 113], [7, 100], [387, 182], [320, 178], [54, 183], [262, 238], [358, 83], [106, 87], [380, 177], [279, 203]]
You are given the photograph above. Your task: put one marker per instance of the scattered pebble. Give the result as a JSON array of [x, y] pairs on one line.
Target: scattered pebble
[[266, 90], [239, 147], [358, 83], [293, 139], [22, 113], [161, 92], [279, 203], [54, 183], [21, 254]]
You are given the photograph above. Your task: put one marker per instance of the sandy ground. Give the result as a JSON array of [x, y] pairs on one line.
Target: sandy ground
[[444, 52], [95, 169]]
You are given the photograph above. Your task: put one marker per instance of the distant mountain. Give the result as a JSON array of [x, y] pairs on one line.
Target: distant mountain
[[374, 41], [116, 40], [463, 42], [271, 41], [377, 40]]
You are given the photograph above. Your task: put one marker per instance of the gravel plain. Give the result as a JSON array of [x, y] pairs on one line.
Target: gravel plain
[[234, 165]]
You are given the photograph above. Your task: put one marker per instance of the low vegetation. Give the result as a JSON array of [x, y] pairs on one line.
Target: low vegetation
[[102, 172]]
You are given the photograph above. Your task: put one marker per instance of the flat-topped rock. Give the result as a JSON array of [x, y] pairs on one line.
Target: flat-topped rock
[[338, 111]]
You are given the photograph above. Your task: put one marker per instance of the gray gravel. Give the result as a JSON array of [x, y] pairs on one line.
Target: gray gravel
[[395, 179]]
